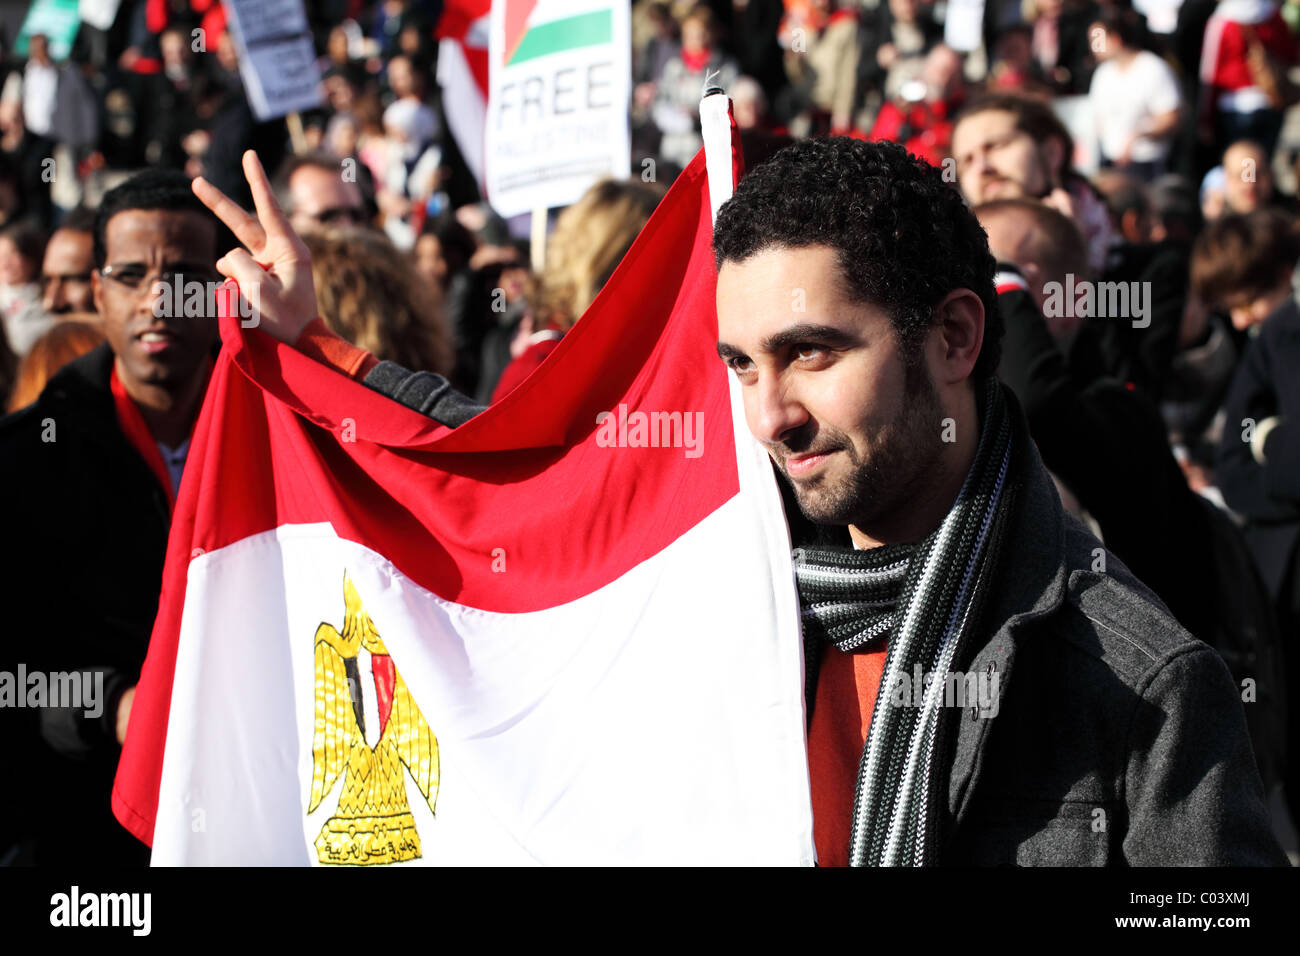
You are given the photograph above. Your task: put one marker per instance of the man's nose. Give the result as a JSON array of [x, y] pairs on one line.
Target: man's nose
[[774, 409]]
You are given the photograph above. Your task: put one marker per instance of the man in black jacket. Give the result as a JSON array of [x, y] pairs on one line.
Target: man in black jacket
[[1243, 264], [1105, 442], [87, 476], [1008, 146]]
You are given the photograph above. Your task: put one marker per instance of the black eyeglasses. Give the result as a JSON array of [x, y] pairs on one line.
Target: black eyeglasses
[[134, 275], [354, 215]]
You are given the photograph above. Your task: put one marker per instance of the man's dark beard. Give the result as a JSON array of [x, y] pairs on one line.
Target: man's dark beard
[[900, 455]]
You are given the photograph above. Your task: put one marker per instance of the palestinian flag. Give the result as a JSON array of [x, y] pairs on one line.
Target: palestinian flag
[[564, 633], [556, 28]]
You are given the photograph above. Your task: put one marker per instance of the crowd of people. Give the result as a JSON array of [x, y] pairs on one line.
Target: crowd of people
[[1131, 165]]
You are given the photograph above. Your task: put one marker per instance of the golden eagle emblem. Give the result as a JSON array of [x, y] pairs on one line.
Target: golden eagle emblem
[[373, 823]]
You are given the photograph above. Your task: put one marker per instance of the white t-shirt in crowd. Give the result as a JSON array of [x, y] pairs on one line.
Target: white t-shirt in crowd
[[40, 90], [1162, 15], [1124, 101]]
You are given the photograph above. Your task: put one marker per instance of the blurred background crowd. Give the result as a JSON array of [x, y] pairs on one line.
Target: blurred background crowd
[[1152, 98], [1148, 144]]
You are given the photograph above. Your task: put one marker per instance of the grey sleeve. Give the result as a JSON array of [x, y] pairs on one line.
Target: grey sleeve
[[426, 392], [1192, 789]]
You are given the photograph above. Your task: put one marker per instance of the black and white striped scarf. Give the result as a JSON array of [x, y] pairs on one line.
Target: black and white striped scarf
[[926, 600]]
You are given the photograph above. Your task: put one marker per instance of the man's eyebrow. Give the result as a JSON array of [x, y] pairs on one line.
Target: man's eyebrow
[[795, 335], [808, 332]]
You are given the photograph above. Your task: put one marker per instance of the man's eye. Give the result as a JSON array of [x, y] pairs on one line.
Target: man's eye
[[809, 351], [741, 365]]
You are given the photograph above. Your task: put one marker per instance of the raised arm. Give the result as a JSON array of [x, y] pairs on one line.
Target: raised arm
[[274, 267], [274, 275]]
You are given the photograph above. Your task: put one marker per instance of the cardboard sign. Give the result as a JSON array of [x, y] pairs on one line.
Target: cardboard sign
[[560, 80], [58, 20], [277, 59], [99, 14], [963, 26]]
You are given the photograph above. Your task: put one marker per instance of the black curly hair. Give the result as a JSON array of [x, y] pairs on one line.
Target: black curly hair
[[166, 189], [903, 237]]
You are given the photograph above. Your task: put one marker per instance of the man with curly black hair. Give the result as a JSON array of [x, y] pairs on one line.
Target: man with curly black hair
[[986, 683]]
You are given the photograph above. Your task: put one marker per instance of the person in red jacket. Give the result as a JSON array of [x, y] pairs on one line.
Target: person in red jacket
[[211, 13], [921, 118], [1247, 49]]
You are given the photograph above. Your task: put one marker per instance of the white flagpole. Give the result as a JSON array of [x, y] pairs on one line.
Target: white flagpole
[[757, 478], [715, 126]]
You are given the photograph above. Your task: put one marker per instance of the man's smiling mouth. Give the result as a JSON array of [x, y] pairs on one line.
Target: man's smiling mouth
[[805, 463]]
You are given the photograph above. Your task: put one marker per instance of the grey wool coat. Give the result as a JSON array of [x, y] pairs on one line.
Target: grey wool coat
[[1118, 740]]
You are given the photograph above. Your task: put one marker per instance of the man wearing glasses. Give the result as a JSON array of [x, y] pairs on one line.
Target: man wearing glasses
[[88, 475], [69, 261], [319, 192]]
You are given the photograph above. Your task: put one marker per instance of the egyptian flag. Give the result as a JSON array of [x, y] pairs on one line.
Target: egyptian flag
[[563, 633]]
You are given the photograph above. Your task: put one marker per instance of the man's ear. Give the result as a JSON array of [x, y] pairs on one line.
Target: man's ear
[[957, 336]]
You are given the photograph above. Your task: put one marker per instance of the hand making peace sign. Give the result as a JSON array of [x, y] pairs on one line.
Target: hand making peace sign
[[275, 273]]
